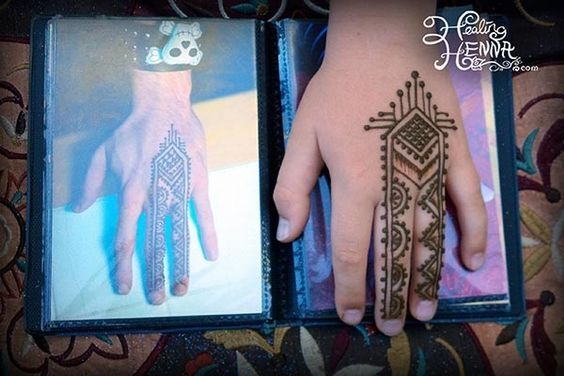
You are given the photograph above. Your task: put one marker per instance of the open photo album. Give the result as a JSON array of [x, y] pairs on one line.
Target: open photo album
[[154, 148]]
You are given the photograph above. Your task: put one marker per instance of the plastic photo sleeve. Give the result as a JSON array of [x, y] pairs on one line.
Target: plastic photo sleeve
[[152, 190], [487, 289]]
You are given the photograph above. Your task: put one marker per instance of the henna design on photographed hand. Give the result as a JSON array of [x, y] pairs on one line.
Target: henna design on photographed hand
[[169, 193]]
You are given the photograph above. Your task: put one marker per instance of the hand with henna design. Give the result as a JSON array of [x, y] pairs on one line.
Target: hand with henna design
[[159, 155], [388, 127]]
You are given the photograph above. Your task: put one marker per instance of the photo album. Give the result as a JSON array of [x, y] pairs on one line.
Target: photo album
[[153, 151]]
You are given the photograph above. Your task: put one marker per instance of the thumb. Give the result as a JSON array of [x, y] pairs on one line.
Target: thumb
[[94, 180], [298, 174]]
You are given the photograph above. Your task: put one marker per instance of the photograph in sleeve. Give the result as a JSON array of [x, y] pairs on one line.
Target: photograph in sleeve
[[154, 169]]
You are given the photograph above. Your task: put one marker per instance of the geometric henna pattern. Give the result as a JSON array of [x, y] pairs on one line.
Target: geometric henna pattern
[[168, 194], [414, 154]]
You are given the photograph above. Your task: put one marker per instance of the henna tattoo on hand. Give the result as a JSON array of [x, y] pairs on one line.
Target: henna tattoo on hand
[[414, 156], [169, 193]]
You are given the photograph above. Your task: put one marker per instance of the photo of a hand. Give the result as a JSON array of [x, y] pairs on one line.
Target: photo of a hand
[[159, 157], [388, 127]]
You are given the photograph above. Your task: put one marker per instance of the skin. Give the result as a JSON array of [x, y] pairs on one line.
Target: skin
[[366, 62], [160, 99]]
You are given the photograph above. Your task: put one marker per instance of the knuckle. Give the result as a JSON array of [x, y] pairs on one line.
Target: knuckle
[[282, 195], [131, 206], [358, 182], [360, 172], [132, 201], [124, 247], [477, 242], [349, 257]]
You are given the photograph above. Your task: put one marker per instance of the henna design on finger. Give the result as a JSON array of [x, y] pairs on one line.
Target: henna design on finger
[[414, 156], [169, 193]]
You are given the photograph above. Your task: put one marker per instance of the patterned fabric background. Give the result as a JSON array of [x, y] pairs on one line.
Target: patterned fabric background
[[533, 345]]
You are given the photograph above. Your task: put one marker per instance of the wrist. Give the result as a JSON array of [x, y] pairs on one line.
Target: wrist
[[365, 33], [162, 91]]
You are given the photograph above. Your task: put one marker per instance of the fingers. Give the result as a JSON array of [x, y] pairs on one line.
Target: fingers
[[428, 248], [94, 180], [206, 223], [180, 246], [130, 209], [352, 215], [155, 245], [298, 174], [392, 245], [463, 184]]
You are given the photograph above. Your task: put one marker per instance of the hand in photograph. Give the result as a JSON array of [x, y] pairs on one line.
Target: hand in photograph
[[159, 156], [388, 127]]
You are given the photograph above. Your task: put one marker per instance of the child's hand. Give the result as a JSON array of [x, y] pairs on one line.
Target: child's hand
[[159, 155], [387, 176]]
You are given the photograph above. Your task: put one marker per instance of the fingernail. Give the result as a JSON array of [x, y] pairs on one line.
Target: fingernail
[[477, 260], [181, 286], [352, 316], [156, 297], [425, 310], [283, 229], [123, 288], [391, 327], [212, 255], [180, 289]]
